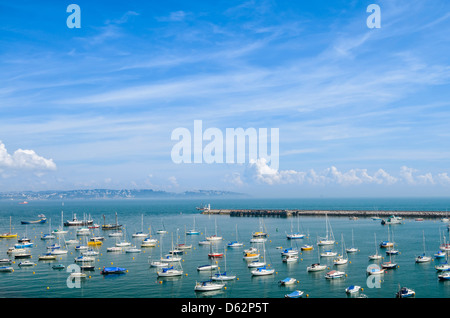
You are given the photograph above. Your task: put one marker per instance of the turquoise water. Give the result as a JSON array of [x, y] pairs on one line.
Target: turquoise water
[[141, 281]]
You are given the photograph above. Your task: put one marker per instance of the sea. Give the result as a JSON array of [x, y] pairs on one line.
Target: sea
[[176, 216]]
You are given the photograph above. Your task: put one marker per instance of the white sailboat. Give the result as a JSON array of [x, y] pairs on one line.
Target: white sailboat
[[235, 243], [214, 237], [140, 234], [329, 238], [223, 276], [295, 235], [341, 259], [61, 230], [375, 256], [263, 270], [423, 258], [193, 231], [352, 249], [316, 267]]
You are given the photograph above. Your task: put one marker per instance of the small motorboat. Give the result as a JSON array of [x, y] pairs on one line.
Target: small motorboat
[[352, 289], [334, 274], [262, 271], [440, 254], [113, 270], [287, 281], [207, 267], [58, 266], [405, 292], [294, 294], [6, 269], [316, 267]]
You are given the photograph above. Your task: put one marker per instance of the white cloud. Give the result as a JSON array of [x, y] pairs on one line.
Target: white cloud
[[24, 159], [258, 171]]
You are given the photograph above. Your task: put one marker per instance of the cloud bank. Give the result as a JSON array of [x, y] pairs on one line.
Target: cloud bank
[[258, 171]]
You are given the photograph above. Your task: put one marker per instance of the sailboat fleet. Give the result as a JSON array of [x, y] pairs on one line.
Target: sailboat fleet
[[332, 255]]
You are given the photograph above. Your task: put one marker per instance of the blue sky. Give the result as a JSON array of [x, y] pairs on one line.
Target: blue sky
[[360, 112]]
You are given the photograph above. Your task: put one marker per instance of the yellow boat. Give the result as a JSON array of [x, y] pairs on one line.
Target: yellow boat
[[306, 248], [94, 243], [9, 234]]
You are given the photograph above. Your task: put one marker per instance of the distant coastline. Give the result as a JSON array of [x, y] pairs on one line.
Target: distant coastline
[[112, 194]]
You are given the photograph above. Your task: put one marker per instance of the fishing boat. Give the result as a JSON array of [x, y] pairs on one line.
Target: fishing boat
[[113, 270], [287, 281], [8, 234], [405, 292], [208, 285], [76, 222], [329, 238], [294, 294], [334, 274], [392, 220]]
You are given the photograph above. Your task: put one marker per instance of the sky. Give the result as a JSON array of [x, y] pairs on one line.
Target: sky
[[360, 111]]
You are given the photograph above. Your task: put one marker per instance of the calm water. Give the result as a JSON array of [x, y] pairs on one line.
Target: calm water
[[41, 281]]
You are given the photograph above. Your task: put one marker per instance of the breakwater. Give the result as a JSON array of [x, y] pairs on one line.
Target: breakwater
[[346, 213]]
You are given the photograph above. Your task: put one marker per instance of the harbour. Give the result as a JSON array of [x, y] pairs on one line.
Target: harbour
[[175, 218]]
